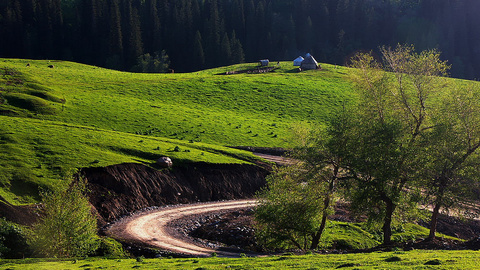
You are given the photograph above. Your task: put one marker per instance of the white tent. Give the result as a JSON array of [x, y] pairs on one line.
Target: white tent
[[297, 62]]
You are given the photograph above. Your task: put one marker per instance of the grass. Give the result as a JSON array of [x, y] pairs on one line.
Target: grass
[[229, 110], [418, 259], [35, 153], [55, 120]]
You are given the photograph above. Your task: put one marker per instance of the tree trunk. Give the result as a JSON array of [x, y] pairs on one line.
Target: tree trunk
[[318, 234], [326, 204], [434, 221], [387, 222], [436, 209]]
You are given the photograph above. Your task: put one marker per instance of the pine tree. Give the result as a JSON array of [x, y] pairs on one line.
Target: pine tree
[[115, 38], [226, 51], [198, 53], [134, 45], [238, 55], [152, 26]]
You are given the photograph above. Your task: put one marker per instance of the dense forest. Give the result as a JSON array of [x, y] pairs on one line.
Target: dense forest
[[188, 35]]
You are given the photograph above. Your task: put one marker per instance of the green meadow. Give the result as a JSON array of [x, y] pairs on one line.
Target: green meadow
[[54, 120], [419, 259]]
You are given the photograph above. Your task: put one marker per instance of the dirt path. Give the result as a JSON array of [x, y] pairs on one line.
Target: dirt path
[[279, 160], [151, 228]]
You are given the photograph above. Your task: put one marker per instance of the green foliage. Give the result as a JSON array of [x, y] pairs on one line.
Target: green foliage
[[13, 241], [110, 248], [385, 129], [159, 63], [67, 227], [290, 209]]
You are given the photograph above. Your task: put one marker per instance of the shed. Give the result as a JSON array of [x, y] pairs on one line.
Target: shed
[[309, 63], [264, 62], [297, 62]]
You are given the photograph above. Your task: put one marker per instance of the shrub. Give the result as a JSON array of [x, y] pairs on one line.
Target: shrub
[[110, 248], [67, 227], [13, 243]]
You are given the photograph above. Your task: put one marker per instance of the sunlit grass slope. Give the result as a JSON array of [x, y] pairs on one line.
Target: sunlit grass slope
[[249, 110], [53, 120], [35, 152]]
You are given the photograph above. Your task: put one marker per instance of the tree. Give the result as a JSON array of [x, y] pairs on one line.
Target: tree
[[159, 63], [385, 150], [115, 38], [452, 169], [67, 227], [237, 50], [133, 40], [290, 210], [295, 206], [226, 51], [198, 53]]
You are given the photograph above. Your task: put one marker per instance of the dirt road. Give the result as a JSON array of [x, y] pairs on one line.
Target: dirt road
[[279, 160], [151, 228]]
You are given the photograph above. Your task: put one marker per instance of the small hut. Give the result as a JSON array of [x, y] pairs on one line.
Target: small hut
[[297, 62], [309, 63], [264, 62]]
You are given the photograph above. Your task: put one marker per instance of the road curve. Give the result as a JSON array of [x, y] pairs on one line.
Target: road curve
[[150, 228]]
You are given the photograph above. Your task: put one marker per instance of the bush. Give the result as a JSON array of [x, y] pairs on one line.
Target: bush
[[13, 243], [67, 227], [110, 248]]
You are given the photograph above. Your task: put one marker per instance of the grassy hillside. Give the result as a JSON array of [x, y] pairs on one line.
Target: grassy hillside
[[54, 120], [254, 110], [418, 259], [35, 152]]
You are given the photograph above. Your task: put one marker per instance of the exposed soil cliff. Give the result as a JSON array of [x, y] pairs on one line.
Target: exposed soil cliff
[[24, 215], [121, 189]]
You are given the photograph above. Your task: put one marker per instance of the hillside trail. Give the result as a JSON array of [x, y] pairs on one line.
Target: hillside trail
[[152, 228]]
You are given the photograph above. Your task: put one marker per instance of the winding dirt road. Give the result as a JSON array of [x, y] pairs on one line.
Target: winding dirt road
[[151, 228]]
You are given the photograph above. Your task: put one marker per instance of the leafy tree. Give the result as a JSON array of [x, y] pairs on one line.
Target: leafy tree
[[67, 227], [156, 64], [452, 170], [290, 210], [385, 153], [295, 206]]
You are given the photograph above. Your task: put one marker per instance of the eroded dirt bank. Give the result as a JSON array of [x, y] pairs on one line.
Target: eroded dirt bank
[[121, 189]]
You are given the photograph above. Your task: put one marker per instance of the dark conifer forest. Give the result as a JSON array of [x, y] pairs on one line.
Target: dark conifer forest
[[189, 35]]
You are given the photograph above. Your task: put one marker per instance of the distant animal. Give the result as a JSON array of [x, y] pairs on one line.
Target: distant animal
[[51, 66], [28, 64]]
